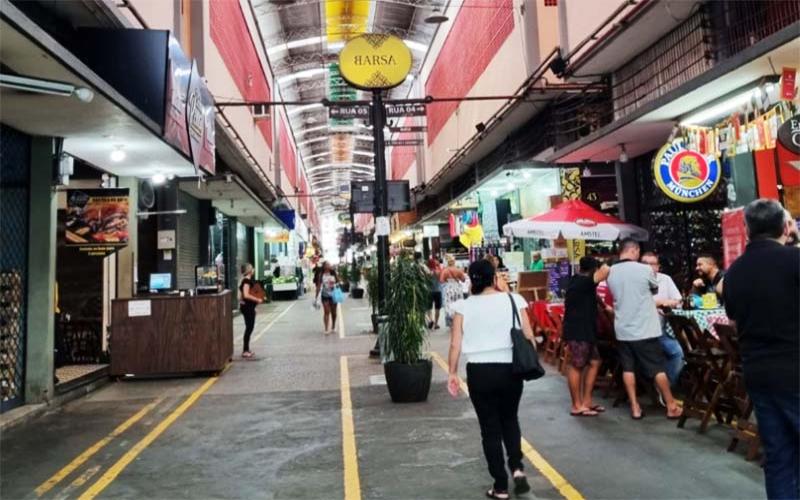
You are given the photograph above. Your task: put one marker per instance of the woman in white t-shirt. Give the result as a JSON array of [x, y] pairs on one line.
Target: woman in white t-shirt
[[482, 330]]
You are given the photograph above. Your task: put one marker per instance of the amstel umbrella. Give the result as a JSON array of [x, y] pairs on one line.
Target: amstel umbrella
[[574, 220]]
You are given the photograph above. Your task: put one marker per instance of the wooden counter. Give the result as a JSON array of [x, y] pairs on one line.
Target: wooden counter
[[169, 334]]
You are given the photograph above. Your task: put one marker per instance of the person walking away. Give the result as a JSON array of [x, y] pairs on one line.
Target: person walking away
[[328, 280], [762, 293], [247, 306], [451, 278], [709, 277], [580, 334], [667, 297], [501, 283], [482, 330], [637, 327], [537, 264], [436, 292]]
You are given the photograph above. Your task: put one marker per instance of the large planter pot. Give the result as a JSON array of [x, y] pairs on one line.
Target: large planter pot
[[408, 383], [357, 293]]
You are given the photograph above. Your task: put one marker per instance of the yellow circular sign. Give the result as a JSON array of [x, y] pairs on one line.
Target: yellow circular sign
[[375, 61]]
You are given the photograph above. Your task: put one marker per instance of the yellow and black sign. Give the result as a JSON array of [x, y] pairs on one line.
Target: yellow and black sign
[[375, 61]]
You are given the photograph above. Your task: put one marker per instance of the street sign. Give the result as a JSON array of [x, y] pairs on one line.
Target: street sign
[[405, 109], [405, 142], [345, 112], [409, 128]]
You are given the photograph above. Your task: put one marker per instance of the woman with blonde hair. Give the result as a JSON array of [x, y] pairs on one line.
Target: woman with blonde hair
[[247, 306]]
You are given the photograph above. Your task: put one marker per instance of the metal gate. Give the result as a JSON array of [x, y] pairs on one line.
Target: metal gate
[[14, 191]]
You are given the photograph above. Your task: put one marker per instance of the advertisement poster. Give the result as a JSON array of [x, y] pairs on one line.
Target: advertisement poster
[[178, 73], [734, 235], [97, 220], [200, 122]]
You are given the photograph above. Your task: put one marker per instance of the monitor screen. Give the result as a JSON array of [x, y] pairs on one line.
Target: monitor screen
[[160, 281]]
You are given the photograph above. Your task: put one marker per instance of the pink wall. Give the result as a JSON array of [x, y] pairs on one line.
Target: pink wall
[[230, 34], [288, 155], [403, 156], [480, 28]]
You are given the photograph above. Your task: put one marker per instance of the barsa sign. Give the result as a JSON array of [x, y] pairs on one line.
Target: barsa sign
[[376, 60]]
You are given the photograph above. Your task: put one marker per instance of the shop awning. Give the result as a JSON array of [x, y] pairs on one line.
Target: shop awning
[[92, 130], [232, 197], [648, 128]]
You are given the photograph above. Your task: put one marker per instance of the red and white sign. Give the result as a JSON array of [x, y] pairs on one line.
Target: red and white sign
[[734, 235], [788, 80]]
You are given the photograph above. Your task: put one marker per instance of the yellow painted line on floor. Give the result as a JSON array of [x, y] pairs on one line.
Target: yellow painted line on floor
[[352, 481], [116, 469], [340, 319], [92, 450], [266, 328], [543, 466]]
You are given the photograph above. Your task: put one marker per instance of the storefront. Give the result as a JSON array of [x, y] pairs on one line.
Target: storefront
[[85, 195]]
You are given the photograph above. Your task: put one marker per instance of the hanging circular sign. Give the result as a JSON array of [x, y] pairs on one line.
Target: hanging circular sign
[[685, 175], [789, 134], [374, 61]]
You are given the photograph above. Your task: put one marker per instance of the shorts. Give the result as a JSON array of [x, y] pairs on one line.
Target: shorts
[[436, 298], [582, 352], [645, 356], [327, 299]]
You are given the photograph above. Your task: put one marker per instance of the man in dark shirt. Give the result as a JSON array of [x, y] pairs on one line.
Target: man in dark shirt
[[580, 334], [762, 293], [710, 276]]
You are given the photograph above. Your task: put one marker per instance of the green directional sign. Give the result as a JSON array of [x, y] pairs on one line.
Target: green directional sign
[[339, 90]]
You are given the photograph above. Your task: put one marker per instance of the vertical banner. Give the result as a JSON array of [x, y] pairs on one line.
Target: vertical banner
[[788, 79], [178, 70], [97, 220], [734, 235]]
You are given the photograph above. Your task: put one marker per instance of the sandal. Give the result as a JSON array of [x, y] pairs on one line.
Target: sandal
[[598, 408], [521, 485], [499, 495], [584, 413]]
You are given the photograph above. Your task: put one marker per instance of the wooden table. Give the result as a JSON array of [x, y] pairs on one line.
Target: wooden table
[[169, 334], [705, 319]]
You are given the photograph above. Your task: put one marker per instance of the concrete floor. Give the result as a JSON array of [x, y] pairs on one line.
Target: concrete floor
[[272, 428]]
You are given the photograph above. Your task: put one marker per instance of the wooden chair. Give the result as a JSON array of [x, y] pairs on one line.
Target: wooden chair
[[744, 429], [553, 343], [706, 369]]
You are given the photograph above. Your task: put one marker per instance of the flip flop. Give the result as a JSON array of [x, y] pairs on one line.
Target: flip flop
[[598, 408], [641, 416], [674, 417], [584, 413]]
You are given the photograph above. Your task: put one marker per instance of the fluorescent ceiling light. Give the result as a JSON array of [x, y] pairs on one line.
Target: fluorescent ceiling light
[[306, 73], [159, 178], [294, 44], [118, 155], [365, 137], [302, 109], [364, 153], [722, 109], [316, 155], [313, 129], [419, 47], [311, 141], [335, 46], [41, 86]]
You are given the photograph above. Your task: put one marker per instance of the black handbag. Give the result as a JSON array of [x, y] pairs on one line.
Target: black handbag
[[525, 359]]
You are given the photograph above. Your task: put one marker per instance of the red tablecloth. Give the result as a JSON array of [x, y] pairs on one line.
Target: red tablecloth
[[539, 309]]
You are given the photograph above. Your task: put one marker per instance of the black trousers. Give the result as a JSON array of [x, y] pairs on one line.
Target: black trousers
[[249, 314], [495, 393]]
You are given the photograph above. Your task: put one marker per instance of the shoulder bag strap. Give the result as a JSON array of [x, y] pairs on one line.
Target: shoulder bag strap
[[515, 319]]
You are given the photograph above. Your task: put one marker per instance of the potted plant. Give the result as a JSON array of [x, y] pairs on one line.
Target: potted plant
[[356, 291], [344, 277], [403, 336], [372, 292]]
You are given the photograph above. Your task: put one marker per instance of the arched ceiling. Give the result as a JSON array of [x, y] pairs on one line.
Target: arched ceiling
[[303, 39]]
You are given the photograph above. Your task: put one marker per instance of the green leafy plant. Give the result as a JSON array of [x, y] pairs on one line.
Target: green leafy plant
[[356, 275], [344, 273], [404, 335], [372, 288]]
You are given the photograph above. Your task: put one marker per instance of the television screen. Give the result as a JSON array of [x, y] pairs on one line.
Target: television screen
[[160, 281], [363, 196]]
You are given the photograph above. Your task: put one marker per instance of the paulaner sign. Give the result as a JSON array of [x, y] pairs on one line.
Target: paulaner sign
[[375, 61], [685, 175]]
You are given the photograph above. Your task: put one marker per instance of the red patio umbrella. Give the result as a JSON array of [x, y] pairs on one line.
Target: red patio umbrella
[[574, 220]]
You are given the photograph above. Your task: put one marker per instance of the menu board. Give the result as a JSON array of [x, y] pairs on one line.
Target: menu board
[[97, 220], [557, 271]]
